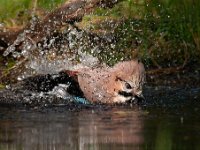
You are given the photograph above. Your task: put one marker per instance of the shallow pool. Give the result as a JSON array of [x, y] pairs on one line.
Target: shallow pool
[[169, 119]]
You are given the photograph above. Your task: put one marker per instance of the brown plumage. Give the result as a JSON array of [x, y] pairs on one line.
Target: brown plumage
[[117, 84]]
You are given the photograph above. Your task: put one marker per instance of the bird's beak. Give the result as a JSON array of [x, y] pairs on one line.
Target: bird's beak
[[140, 97], [137, 99]]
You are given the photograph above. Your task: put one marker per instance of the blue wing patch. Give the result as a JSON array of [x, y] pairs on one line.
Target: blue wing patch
[[81, 100]]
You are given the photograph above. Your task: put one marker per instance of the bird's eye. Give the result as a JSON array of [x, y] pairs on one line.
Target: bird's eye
[[128, 86]]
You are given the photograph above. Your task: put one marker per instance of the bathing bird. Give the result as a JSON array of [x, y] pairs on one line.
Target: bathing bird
[[118, 84], [121, 83]]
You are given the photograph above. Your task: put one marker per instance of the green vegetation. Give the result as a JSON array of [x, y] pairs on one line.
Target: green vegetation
[[176, 29], [18, 12], [165, 32]]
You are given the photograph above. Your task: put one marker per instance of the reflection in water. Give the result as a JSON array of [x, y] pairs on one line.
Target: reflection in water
[[119, 128], [88, 129]]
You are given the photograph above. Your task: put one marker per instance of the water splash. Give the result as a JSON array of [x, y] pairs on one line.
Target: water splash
[[66, 49]]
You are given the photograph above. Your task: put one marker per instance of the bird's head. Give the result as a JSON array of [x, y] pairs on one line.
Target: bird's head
[[129, 79]]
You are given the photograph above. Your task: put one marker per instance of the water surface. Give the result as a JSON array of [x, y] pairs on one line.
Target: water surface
[[169, 119]]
